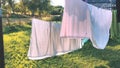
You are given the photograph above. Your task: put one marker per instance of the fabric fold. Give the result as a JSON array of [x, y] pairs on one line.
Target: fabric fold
[[82, 20], [45, 41], [101, 20]]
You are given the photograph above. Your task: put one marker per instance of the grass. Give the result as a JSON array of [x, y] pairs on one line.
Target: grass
[[16, 44]]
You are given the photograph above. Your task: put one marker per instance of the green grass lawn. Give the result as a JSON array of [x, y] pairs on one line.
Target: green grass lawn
[[16, 44]]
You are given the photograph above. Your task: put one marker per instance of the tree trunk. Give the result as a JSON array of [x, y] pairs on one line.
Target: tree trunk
[[8, 21], [2, 63]]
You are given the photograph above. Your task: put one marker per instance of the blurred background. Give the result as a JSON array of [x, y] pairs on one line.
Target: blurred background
[[16, 21]]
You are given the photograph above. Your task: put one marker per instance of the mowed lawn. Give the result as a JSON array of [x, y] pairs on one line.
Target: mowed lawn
[[16, 44]]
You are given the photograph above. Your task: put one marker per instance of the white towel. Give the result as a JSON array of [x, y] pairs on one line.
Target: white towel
[[46, 42], [82, 20], [101, 20], [76, 20]]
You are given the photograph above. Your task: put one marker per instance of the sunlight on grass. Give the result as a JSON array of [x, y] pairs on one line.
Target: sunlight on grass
[[16, 46]]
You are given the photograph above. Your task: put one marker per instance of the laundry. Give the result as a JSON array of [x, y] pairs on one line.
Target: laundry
[[76, 20], [84, 40], [101, 20], [82, 20], [46, 42]]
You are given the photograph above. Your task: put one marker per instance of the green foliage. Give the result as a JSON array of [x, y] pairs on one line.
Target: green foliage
[[115, 27], [4, 11], [57, 10], [15, 27], [27, 6], [17, 16], [11, 4], [42, 5], [16, 44], [56, 18], [114, 31]]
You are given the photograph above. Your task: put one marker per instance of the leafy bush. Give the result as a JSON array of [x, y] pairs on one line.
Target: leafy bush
[[15, 27], [56, 18], [17, 16]]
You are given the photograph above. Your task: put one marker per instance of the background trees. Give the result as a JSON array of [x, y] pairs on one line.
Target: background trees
[[39, 8]]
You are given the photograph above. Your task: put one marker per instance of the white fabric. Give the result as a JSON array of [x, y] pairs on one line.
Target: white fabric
[[45, 37], [45, 41], [76, 20], [82, 20], [101, 20]]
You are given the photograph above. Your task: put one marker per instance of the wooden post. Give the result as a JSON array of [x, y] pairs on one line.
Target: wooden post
[[118, 15], [118, 10], [2, 64]]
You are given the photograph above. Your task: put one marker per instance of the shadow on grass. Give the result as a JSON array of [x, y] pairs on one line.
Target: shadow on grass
[[113, 42], [88, 51], [112, 56], [15, 28]]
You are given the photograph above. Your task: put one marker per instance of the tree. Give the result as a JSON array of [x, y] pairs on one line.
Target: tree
[[23, 5], [41, 5], [31, 4], [11, 4], [8, 5], [57, 10], [44, 5]]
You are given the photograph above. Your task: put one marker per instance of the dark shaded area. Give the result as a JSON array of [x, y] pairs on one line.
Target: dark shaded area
[[16, 16], [101, 1], [118, 10], [116, 64], [56, 18], [106, 54], [101, 66], [15, 28], [105, 4], [110, 42], [2, 63]]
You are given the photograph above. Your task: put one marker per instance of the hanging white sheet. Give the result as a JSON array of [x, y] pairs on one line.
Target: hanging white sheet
[[82, 20], [76, 20], [46, 42], [101, 20]]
